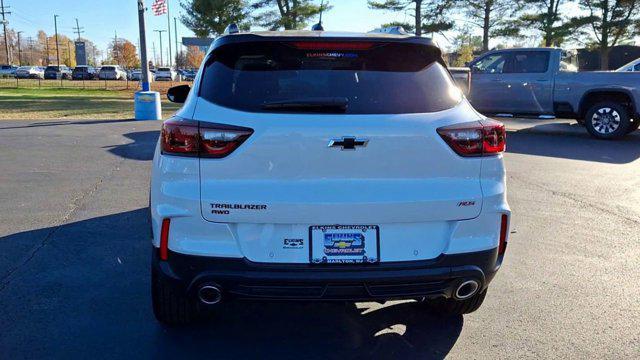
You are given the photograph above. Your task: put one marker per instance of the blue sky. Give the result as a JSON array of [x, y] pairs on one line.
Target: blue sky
[[101, 19]]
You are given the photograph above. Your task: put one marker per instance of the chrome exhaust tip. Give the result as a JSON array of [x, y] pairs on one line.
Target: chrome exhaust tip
[[209, 294], [466, 289]]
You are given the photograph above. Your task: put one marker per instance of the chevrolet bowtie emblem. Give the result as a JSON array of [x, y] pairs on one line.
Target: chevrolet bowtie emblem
[[348, 142]]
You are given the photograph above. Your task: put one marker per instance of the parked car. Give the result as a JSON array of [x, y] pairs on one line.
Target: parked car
[[8, 70], [112, 72], [136, 75], [369, 216], [84, 72], [165, 74], [532, 81], [188, 75], [30, 72], [57, 72], [632, 66]]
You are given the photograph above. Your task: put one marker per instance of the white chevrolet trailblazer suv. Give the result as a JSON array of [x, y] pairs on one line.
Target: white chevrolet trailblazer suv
[[325, 166]]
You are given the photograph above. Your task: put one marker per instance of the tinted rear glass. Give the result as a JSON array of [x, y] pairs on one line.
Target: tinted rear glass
[[164, 69], [108, 68], [52, 68], [388, 78], [530, 62]]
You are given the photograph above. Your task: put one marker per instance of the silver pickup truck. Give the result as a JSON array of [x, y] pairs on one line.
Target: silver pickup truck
[[536, 81]]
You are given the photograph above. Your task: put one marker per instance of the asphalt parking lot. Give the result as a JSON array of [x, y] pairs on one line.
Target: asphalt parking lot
[[74, 260]]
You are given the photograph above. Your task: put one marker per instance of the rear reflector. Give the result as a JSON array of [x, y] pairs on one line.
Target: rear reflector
[[477, 138], [201, 139], [333, 45], [164, 239], [503, 234]]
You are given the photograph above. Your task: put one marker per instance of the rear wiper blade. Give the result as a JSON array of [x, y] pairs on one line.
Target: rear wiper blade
[[324, 104]]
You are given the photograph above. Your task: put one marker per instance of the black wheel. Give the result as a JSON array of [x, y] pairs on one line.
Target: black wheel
[[457, 307], [607, 120], [169, 307], [634, 126]]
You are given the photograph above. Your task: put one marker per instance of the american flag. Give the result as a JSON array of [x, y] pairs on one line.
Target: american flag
[[159, 7]]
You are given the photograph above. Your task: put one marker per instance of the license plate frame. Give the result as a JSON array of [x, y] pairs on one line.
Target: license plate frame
[[339, 244]]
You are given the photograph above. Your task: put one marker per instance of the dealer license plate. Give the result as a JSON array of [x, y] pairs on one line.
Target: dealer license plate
[[344, 243]]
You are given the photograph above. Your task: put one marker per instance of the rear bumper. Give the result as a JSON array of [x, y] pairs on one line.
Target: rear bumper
[[240, 278]]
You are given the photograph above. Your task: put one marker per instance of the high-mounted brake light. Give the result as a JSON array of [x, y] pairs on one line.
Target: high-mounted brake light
[[333, 45], [200, 139], [477, 138]]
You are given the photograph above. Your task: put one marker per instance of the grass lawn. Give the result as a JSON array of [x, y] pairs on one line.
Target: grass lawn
[[42, 104]]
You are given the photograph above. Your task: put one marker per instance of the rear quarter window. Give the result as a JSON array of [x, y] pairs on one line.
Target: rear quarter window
[[388, 78]]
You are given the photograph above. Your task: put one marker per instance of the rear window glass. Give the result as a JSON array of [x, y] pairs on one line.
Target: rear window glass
[[530, 62], [52, 68], [108, 68], [387, 78], [164, 69]]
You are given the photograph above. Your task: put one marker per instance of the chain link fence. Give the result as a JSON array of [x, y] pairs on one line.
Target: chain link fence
[[14, 83]]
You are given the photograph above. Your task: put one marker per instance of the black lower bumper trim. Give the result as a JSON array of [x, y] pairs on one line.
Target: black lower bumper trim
[[242, 278]]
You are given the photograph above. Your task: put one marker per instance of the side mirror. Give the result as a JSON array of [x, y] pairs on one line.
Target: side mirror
[[178, 94]]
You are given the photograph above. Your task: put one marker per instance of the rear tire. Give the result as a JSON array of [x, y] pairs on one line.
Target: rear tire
[[170, 307], [607, 120], [634, 125], [457, 307]]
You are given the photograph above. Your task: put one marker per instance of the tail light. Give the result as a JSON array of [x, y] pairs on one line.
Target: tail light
[[502, 247], [200, 139], [477, 138]]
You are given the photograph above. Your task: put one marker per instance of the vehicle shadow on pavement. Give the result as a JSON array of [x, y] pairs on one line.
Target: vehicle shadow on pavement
[[141, 148], [316, 331], [574, 146], [83, 289]]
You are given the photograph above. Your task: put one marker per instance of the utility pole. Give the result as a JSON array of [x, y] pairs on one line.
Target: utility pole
[[115, 47], [19, 49], [155, 57], [78, 29], [47, 38], [175, 32], [69, 52], [30, 47], [168, 32], [4, 25], [160, 35], [55, 24]]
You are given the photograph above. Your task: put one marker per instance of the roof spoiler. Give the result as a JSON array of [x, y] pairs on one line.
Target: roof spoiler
[[395, 30], [231, 29]]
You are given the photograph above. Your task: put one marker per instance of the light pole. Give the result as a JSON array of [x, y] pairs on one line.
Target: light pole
[[143, 47], [160, 35], [19, 49], [55, 24]]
